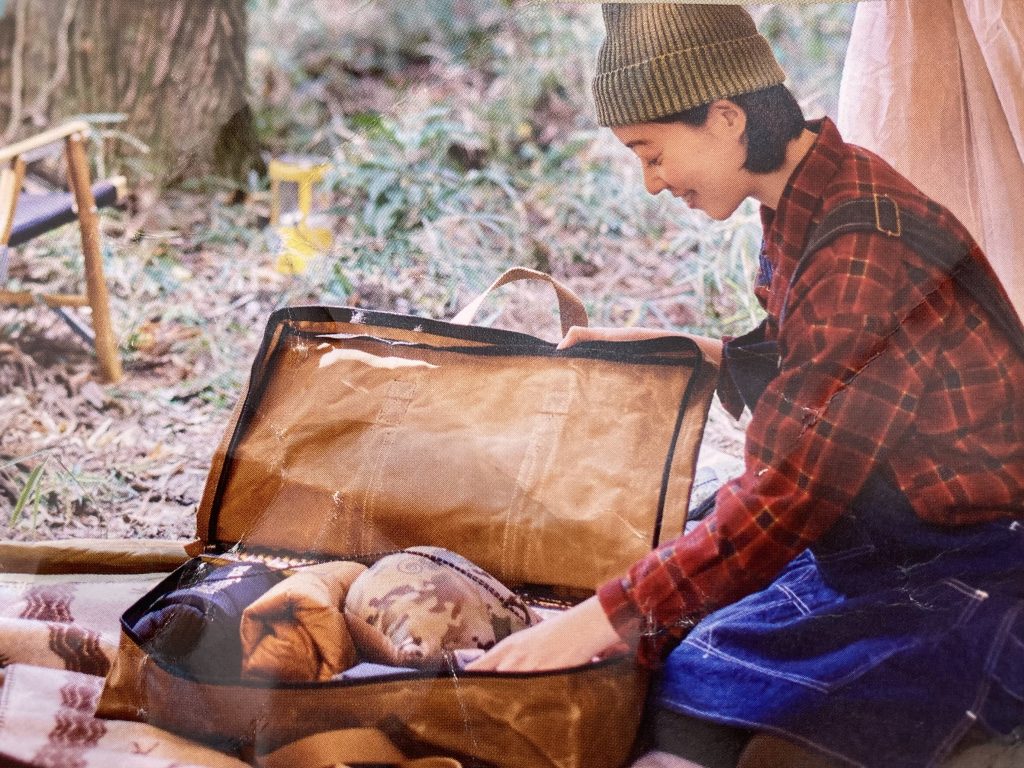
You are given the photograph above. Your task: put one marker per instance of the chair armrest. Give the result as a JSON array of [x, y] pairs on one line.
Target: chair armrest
[[50, 136]]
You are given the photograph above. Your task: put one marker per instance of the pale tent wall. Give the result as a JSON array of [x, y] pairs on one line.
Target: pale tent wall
[[936, 87]]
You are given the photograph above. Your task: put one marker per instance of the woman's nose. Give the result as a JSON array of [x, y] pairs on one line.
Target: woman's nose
[[653, 181]]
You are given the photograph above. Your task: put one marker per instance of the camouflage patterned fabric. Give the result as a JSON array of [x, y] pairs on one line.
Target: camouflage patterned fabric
[[415, 607]]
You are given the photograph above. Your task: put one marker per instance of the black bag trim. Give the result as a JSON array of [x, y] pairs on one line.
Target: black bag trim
[[510, 343]]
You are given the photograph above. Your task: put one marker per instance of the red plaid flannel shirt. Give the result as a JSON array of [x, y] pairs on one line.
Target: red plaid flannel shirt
[[885, 363]]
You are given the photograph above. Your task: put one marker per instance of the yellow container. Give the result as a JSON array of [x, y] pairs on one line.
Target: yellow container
[[295, 177], [299, 244]]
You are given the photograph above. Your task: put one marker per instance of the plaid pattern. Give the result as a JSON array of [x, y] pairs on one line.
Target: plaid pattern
[[884, 364]]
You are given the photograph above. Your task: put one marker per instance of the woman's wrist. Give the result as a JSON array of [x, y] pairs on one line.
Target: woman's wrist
[[596, 623]]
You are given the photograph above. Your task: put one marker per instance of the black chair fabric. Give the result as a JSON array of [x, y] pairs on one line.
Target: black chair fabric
[[38, 213]]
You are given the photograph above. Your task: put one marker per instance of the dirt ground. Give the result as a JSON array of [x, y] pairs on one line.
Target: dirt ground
[[83, 459]]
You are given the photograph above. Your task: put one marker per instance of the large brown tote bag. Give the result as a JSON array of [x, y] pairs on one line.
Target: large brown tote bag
[[365, 432]]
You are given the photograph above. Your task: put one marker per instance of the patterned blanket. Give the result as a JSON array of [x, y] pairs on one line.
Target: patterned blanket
[[65, 622], [46, 719], [58, 635]]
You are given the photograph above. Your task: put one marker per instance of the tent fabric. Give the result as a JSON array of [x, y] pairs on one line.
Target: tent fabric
[[935, 87], [92, 556]]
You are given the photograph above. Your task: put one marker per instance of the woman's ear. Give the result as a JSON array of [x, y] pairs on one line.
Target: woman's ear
[[728, 117]]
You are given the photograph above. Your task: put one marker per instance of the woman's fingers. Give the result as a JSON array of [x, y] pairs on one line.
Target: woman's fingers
[[567, 640], [522, 652], [578, 333], [574, 335]]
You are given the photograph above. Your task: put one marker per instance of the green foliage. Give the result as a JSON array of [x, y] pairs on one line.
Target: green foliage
[[572, 208], [399, 185], [29, 494], [462, 141], [810, 42]]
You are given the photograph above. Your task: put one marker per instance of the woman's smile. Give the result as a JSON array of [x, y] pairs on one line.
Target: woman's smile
[[674, 155]]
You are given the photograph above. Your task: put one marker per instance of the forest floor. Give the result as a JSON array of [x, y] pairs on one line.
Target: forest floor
[[82, 459]]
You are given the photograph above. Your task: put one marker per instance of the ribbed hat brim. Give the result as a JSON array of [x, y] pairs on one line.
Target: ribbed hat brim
[[628, 92]]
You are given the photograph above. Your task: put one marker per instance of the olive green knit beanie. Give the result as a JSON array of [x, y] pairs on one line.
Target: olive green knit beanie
[[658, 59]]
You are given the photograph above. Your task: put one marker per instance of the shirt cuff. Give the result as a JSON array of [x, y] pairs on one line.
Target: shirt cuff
[[620, 609], [650, 642]]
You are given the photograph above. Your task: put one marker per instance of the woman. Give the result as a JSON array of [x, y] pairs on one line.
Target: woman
[[857, 595]]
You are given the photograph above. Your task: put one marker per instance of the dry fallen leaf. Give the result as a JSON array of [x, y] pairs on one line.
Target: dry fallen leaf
[[93, 394]]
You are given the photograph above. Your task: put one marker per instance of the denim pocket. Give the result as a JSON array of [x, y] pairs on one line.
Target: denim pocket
[[802, 631]]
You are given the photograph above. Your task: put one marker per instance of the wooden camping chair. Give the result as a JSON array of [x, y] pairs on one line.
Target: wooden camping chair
[[25, 215]]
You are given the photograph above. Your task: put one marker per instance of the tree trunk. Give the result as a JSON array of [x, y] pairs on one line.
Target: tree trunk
[[174, 68]]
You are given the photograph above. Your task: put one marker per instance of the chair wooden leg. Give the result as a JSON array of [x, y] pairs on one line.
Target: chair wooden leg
[[11, 175], [95, 283]]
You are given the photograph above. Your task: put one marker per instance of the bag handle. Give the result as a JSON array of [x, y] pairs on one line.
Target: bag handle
[[338, 749], [570, 307]]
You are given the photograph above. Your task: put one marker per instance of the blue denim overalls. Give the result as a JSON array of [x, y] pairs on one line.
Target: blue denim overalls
[[882, 644]]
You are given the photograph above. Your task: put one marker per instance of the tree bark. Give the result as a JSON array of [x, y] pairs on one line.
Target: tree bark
[[175, 68]]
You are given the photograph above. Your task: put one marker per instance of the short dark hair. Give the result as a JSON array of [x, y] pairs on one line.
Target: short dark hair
[[773, 120]]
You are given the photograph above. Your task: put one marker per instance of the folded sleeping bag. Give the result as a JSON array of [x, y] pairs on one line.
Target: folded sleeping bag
[[296, 631], [196, 627]]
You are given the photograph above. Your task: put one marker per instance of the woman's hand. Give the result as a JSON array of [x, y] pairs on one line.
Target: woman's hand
[[712, 348], [577, 334], [567, 640]]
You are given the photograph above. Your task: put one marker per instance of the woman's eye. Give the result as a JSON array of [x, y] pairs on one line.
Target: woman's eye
[[654, 162]]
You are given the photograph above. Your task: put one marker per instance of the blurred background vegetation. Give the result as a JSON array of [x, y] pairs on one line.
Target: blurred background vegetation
[[462, 140], [459, 139]]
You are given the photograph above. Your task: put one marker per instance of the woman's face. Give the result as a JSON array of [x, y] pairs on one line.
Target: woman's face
[[701, 165]]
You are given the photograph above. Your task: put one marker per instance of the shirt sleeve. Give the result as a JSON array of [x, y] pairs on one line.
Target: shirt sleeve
[[728, 395], [846, 392]]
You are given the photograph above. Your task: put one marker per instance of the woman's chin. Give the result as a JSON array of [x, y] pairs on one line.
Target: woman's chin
[[717, 213], [711, 213]]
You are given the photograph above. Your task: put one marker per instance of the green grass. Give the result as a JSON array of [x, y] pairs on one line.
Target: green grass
[[458, 147]]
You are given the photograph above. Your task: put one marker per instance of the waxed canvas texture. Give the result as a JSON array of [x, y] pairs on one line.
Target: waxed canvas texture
[[361, 439], [362, 433], [581, 718]]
